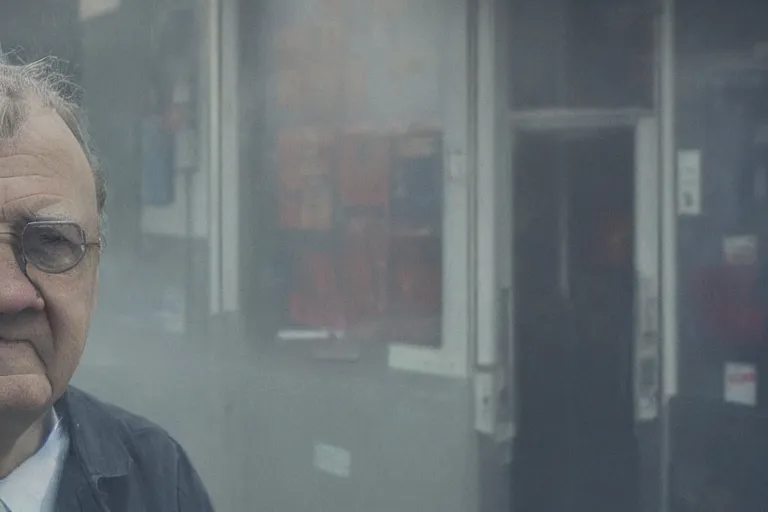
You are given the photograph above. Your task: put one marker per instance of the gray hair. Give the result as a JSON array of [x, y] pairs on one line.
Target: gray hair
[[23, 86]]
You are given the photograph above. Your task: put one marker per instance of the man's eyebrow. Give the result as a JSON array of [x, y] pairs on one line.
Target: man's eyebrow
[[25, 218], [33, 217]]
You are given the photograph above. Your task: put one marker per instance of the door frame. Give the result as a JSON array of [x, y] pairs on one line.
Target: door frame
[[492, 252], [647, 348], [647, 225], [647, 343]]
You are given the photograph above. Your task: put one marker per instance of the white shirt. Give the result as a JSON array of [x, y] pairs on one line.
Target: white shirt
[[32, 487]]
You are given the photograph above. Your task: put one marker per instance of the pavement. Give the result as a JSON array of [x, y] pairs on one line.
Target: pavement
[[252, 413]]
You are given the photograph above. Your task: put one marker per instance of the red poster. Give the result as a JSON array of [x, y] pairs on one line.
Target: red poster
[[365, 268], [306, 190], [364, 168]]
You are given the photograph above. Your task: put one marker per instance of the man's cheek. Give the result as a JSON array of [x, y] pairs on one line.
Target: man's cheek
[[63, 366], [68, 320]]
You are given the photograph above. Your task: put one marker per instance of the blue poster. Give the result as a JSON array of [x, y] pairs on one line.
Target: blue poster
[[157, 169]]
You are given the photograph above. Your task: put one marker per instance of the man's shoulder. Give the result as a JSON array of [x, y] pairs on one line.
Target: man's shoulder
[[111, 441], [85, 407]]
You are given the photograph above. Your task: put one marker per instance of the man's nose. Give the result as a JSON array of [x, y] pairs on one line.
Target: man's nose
[[17, 292]]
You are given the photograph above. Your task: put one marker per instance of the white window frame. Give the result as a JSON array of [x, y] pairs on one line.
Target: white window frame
[[222, 141], [452, 357]]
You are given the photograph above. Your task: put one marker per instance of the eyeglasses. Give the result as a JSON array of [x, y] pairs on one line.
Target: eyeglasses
[[53, 247]]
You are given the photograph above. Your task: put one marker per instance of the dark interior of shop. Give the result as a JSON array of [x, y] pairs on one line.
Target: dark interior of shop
[[574, 275]]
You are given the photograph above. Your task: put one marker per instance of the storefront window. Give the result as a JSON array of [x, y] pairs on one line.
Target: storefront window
[[355, 114]]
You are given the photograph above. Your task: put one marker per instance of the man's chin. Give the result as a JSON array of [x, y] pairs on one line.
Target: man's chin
[[30, 393]]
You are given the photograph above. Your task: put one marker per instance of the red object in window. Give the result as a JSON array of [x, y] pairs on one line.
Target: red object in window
[[305, 193], [416, 272], [365, 267], [364, 167], [731, 305], [612, 245], [316, 301]]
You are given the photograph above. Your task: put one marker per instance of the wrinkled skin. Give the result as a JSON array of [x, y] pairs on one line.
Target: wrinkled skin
[[44, 318]]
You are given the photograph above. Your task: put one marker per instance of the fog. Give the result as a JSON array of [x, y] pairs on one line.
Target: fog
[[429, 255]]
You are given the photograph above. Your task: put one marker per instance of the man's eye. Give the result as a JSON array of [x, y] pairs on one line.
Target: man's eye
[[51, 238]]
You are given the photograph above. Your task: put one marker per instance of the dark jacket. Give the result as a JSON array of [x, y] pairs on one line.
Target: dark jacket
[[119, 462]]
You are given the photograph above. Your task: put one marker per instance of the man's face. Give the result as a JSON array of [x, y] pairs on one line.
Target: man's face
[[44, 317]]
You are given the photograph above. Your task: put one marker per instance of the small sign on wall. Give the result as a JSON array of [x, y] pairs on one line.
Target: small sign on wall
[[689, 182], [740, 250], [740, 384]]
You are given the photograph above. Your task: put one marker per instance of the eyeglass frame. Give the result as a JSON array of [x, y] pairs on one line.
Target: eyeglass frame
[[84, 245]]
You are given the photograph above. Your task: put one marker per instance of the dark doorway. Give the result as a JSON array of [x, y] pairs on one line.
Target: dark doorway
[[574, 297]]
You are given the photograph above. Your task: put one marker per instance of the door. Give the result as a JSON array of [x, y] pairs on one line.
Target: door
[[585, 316]]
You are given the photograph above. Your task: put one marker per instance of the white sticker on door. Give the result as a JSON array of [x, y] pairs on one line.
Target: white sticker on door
[[741, 383], [740, 250]]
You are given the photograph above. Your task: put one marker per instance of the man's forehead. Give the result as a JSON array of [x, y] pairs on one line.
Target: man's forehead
[[43, 145], [44, 168]]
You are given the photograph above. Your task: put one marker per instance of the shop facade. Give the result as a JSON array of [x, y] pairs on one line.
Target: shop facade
[[369, 174], [388, 152], [684, 82]]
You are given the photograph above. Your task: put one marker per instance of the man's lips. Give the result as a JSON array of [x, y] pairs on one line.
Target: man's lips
[[12, 344], [19, 357]]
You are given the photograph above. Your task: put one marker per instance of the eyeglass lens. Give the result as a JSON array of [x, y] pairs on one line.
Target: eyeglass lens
[[53, 247]]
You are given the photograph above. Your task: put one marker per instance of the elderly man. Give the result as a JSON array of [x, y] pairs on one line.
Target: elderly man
[[61, 449]]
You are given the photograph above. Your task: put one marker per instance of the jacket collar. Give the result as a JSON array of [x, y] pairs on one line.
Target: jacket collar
[[96, 438]]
